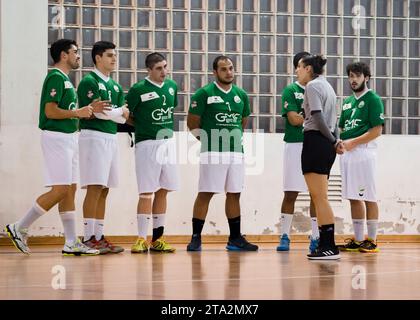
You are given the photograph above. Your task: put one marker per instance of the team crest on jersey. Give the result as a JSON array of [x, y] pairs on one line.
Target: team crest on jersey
[[171, 91], [101, 86], [361, 104], [90, 94], [67, 85], [53, 92], [193, 104], [116, 89], [237, 99]]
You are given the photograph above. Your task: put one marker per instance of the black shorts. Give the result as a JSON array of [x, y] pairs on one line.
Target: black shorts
[[318, 153]]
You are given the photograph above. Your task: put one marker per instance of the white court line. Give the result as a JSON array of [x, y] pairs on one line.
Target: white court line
[[117, 284]]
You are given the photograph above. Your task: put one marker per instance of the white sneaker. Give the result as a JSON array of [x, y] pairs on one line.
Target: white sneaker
[[78, 249], [18, 236]]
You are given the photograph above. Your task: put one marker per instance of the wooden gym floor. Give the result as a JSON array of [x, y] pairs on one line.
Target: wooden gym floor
[[214, 273]]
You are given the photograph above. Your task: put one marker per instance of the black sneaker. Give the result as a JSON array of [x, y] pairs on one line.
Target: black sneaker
[[325, 253], [195, 244], [240, 244], [368, 246], [351, 245]]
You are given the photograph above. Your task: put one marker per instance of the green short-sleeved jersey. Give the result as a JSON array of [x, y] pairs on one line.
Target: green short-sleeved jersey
[[152, 106], [58, 88], [358, 115], [94, 87], [291, 100], [221, 115]]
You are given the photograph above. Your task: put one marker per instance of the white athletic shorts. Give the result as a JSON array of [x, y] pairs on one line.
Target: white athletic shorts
[[293, 179], [221, 172], [61, 158], [156, 165], [358, 173], [98, 159]]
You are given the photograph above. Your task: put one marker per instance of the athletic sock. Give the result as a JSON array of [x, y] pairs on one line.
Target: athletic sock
[[286, 223], [326, 236], [99, 228], [314, 226], [235, 227], [197, 225], [89, 228], [143, 224], [31, 216], [158, 225], [358, 226], [69, 225], [372, 226]]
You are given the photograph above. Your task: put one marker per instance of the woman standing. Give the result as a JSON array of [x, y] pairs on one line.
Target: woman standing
[[319, 148]]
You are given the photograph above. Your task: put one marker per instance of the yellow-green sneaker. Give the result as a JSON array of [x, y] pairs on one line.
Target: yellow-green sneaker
[[161, 245], [141, 246]]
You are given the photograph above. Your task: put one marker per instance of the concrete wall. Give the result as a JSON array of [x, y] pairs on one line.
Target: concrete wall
[[23, 65]]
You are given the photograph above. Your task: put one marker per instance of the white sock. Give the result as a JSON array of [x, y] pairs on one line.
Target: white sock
[[315, 229], [143, 224], [89, 228], [372, 226], [158, 220], [359, 232], [31, 216], [69, 226], [99, 228], [286, 223]]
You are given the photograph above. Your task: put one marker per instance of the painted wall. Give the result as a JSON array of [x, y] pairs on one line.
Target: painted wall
[[23, 64]]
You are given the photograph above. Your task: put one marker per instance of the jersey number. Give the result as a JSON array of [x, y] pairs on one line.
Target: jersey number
[[164, 100]]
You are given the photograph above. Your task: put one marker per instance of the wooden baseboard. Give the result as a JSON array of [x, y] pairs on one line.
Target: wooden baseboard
[[184, 239]]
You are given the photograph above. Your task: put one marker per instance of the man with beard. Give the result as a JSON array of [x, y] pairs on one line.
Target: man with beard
[[361, 121], [59, 121], [217, 117]]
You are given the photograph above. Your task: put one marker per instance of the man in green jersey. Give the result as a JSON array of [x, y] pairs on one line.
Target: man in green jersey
[[293, 180], [361, 121], [151, 103], [58, 120], [217, 116], [98, 143]]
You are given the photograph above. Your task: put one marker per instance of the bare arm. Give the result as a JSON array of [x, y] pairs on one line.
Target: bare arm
[[295, 118], [52, 111], [130, 120], [194, 123], [368, 136], [244, 122]]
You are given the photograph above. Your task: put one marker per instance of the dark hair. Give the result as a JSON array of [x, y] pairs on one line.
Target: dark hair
[[99, 48], [153, 58], [299, 56], [317, 62], [358, 68], [60, 46], [217, 59]]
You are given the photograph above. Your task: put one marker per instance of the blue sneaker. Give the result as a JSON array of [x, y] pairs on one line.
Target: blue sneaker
[[313, 245], [240, 244], [284, 243], [195, 244]]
